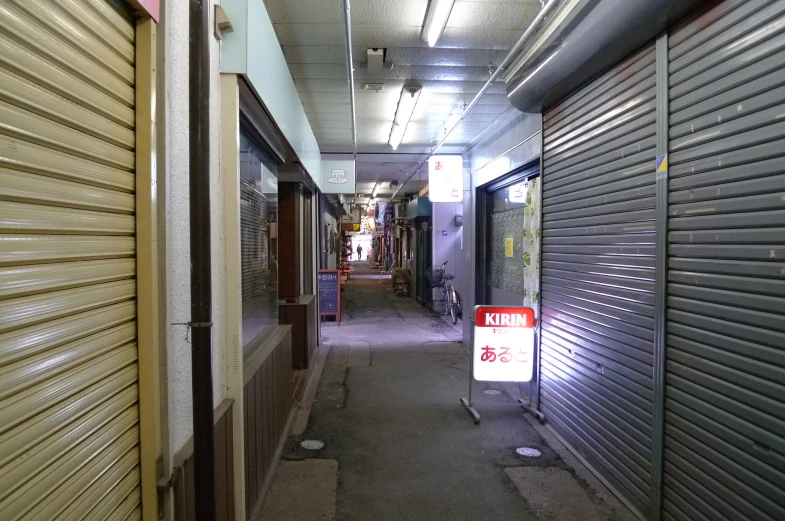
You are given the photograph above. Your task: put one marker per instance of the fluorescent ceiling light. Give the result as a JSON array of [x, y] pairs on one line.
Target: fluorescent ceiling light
[[436, 20], [375, 189], [409, 97]]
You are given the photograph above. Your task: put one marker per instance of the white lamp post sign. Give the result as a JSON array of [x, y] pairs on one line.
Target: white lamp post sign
[[503, 347], [503, 344]]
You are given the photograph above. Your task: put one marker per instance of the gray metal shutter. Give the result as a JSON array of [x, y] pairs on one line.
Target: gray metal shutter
[[69, 437], [598, 274], [725, 373]]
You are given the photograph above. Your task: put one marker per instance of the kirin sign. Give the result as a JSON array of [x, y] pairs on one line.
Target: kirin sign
[[503, 344], [445, 179]]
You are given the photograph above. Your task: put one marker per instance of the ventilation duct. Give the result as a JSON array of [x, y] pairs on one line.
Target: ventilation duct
[[603, 34]]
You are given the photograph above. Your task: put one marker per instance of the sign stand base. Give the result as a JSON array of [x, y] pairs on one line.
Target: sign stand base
[[537, 414], [467, 404], [471, 410]]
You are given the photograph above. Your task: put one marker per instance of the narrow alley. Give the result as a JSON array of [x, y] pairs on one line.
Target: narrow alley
[[397, 443], [254, 255]]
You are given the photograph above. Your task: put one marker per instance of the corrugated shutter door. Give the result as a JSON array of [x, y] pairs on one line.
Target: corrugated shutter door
[[69, 440], [598, 273], [725, 376]]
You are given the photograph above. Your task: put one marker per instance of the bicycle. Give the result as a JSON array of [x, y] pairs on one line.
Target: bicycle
[[442, 291]]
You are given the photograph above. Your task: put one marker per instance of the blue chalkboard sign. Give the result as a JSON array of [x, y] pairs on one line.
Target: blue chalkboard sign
[[330, 293]]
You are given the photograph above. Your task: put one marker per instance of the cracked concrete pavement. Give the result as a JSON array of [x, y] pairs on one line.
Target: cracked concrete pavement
[[398, 445]]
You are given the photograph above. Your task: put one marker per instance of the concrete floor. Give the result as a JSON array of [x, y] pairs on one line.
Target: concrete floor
[[397, 444]]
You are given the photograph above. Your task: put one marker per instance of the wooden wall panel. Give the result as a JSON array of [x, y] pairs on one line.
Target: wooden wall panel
[[289, 240], [302, 317], [183, 474], [267, 374]]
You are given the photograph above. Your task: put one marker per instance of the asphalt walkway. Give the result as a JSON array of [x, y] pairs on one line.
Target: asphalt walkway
[[397, 445]]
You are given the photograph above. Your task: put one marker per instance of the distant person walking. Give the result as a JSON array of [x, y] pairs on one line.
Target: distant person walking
[[359, 252]]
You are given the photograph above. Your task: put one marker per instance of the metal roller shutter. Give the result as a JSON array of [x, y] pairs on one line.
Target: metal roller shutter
[[69, 437], [598, 273], [725, 373]]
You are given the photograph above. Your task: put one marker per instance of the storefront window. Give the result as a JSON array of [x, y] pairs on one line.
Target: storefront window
[[258, 238], [515, 244], [507, 215]]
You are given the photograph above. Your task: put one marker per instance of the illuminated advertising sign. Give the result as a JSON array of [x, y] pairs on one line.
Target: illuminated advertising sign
[[503, 344], [445, 179]]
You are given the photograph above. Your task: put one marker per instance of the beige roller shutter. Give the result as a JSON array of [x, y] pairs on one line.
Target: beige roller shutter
[[69, 434]]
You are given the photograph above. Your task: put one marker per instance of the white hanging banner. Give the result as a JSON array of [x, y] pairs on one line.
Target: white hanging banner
[[339, 176], [445, 179], [517, 192], [503, 349]]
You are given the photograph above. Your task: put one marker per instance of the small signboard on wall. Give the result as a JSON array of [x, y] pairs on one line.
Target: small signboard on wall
[[338, 176], [503, 349]]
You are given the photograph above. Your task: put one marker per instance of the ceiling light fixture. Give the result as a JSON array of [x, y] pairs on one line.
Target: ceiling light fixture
[[436, 20], [375, 190], [409, 97]]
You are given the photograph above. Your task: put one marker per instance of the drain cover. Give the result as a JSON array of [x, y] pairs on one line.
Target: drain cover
[[312, 444], [528, 452], [492, 392]]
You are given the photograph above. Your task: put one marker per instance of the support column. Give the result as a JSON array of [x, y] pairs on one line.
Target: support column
[[661, 279], [289, 241]]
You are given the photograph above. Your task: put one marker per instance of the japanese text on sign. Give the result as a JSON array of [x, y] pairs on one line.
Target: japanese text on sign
[[503, 344], [445, 179]]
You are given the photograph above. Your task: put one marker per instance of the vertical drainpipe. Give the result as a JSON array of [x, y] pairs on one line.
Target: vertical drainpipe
[[201, 284], [347, 34], [660, 281]]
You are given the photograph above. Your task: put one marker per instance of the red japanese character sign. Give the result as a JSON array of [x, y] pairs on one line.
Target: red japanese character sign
[[445, 179], [503, 344]]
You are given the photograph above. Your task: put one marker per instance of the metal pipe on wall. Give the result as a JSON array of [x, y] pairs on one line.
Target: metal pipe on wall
[[525, 37], [347, 34], [201, 283]]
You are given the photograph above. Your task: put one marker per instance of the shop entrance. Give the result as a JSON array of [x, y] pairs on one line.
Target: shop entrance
[[505, 244], [424, 255]]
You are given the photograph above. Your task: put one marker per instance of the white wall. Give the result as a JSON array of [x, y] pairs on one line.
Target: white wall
[[448, 247], [252, 49], [177, 270], [514, 142]]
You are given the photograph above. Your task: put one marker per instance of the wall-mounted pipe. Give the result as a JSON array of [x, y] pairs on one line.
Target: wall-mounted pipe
[[522, 41], [608, 32], [201, 323], [347, 35]]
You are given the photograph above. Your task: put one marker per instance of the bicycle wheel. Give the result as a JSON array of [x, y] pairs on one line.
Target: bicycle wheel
[[453, 305]]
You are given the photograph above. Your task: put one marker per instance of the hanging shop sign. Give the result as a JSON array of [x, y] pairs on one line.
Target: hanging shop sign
[[517, 192], [445, 179], [338, 176], [503, 347], [352, 217]]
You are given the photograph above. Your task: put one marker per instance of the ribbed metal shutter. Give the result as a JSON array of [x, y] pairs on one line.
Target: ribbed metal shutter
[[725, 373], [69, 440], [598, 273]]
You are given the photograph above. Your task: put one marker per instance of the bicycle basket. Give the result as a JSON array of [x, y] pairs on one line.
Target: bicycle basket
[[435, 276]]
